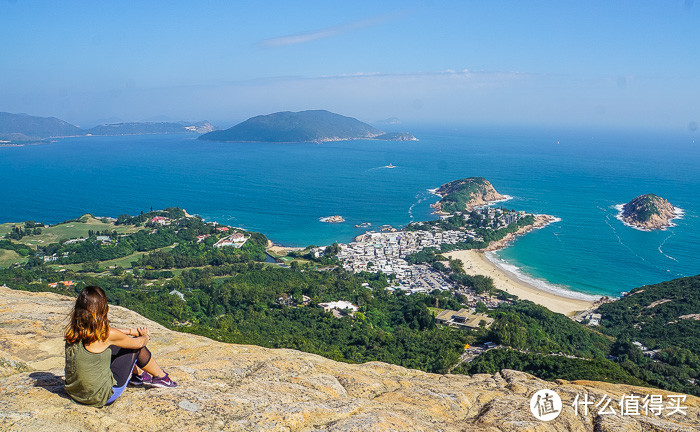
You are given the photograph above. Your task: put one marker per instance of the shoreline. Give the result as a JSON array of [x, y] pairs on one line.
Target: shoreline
[[555, 299]]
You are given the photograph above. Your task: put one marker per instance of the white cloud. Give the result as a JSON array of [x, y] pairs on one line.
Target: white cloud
[[324, 33]]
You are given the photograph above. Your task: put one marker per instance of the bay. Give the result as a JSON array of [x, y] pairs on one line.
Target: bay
[[282, 190]]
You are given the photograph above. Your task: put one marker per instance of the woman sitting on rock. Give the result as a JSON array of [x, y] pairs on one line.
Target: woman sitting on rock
[[101, 361]]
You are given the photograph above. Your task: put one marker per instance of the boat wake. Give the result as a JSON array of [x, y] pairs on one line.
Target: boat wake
[[619, 240], [420, 198], [662, 245], [390, 166]]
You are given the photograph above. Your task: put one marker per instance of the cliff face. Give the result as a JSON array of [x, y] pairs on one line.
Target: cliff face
[[248, 388], [466, 194], [648, 212]]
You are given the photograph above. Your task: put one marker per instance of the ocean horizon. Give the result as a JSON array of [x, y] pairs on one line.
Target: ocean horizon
[[282, 190]]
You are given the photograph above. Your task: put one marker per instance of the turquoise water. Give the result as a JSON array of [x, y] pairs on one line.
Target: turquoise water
[[282, 190]]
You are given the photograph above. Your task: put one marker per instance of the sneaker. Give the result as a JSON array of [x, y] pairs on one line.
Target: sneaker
[[142, 379], [163, 381]]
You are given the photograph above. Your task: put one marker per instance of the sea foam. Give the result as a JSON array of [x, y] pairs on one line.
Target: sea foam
[[540, 284]]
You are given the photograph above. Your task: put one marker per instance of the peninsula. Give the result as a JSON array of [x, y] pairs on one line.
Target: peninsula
[[466, 194], [648, 212], [151, 128], [302, 126]]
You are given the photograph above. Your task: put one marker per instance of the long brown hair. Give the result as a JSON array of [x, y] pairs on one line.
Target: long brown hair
[[88, 319]]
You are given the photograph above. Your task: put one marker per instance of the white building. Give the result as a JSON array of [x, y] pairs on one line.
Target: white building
[[236, 240]]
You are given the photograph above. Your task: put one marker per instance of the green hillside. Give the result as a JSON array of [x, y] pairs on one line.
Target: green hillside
[[303, 126]]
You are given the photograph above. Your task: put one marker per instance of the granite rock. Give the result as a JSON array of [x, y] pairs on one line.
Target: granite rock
[[249, 388]]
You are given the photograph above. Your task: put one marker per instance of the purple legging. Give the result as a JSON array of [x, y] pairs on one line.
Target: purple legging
[[123, 361]]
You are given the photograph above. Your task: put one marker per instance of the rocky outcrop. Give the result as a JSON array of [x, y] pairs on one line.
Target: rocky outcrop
[[648, 212], [249, 388]]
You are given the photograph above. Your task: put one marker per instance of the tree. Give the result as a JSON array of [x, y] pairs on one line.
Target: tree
[[91, 266]]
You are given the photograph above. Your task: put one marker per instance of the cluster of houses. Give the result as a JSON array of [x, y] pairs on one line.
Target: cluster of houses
[[645, 351], [66, 284], [502, 217], [160, 220], [385, 251], [288, 300], [338, 308], [423, 279], [236, 240], [464, 318], [469, 297]]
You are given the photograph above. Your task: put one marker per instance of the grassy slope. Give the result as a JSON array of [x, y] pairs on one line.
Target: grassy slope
[[62, 232], [9, 257]]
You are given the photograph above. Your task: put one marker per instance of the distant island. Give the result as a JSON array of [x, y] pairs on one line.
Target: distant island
[[151, 128], [23, 129], [302, 126], [466, 194], [648, 212], [18, 129]]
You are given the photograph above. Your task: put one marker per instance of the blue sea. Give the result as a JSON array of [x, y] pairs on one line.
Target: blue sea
[[282, 190]]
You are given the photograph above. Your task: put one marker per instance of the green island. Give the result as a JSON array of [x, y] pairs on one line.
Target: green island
[[648, 212], [465, 194], [220, 281], [302, 126]]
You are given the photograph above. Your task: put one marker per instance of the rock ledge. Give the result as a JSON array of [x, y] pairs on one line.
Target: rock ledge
[[249, 388]]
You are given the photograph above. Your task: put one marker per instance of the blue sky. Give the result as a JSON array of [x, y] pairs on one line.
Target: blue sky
[[583, 63]]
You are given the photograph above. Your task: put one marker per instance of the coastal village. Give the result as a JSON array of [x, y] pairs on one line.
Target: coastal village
[[386, 251]]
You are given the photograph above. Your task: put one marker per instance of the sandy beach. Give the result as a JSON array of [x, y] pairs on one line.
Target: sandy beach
[[476, 263]]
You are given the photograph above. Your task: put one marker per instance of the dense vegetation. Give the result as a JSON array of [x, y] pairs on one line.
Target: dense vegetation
[[665, 318], [244, 308], [457, 194], [549, 367], [531, 327], [21, 249], [231, 295]]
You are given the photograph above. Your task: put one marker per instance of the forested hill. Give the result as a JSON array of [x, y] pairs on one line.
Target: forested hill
[[657, 332], [659, 316], [15, 127], [303, 126], [465, 194]]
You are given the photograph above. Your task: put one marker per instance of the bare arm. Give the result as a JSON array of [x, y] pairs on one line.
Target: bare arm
[[121, 339]]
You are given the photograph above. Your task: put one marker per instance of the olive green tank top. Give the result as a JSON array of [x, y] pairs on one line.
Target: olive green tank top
[[89, 379]]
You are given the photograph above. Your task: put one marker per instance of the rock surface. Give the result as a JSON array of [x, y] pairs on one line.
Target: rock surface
[[249, 388], [648, 212]]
